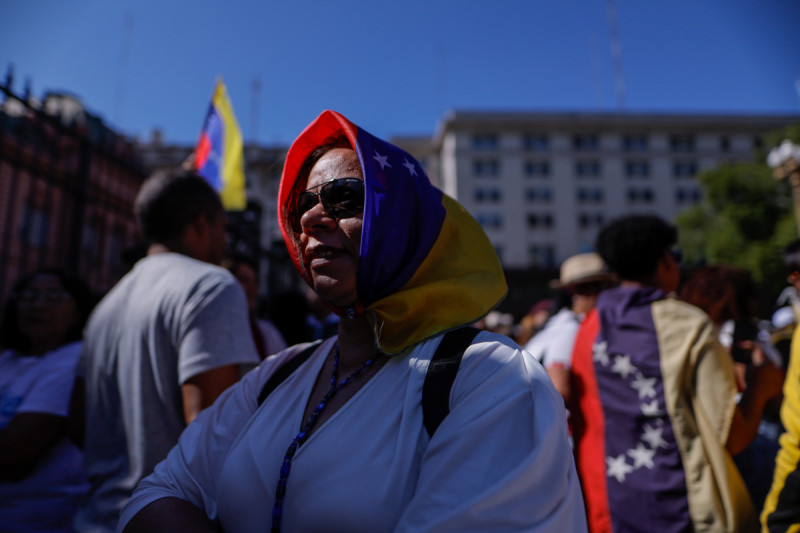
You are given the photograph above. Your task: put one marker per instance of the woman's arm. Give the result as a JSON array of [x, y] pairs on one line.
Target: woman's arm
[[171, 515]]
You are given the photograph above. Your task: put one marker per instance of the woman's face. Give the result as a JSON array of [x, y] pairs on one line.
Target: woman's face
[[330, 247], [45, 312]]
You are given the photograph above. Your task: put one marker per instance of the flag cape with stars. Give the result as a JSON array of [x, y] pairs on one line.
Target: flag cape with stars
[[219, 155], [652, 403], [426, 266]]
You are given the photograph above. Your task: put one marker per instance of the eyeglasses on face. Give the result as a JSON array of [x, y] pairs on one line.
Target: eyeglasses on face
[[30, 296], [341, 198]]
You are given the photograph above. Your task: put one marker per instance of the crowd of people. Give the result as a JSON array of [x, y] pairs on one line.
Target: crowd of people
[[393, 397]]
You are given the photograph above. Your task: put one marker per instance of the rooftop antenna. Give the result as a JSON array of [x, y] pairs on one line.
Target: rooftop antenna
[[256, 91], [125, 53], [597, 79], [441, 78], [616, 54], [797, 88]]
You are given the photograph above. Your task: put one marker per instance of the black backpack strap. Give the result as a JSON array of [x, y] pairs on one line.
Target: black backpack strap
[[441, 374], [286, 370]]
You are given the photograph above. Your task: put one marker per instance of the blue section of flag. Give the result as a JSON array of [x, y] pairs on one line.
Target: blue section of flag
[[403, 215], [213, 134]]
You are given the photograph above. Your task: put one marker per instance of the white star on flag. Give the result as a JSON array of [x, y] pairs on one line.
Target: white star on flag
[[600, 351], [653, 437], [382, 160], [410, 166], [645, 386], [617, 468], [642, 457], [622, 366], [650, 409]]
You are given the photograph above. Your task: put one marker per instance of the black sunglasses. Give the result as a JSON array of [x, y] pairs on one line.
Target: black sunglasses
[[341, 198]]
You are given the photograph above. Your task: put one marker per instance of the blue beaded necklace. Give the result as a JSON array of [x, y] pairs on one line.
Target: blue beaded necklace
[[286, 467]]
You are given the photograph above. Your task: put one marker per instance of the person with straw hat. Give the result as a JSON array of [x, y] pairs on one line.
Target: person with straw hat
[[582, 277]]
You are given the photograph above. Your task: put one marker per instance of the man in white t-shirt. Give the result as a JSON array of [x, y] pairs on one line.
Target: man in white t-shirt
[[162, 345], [583, 277]]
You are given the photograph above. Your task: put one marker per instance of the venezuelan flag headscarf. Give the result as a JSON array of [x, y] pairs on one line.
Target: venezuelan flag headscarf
[[426, 265]]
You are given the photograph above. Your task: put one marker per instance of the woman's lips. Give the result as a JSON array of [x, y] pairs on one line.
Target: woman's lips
[[321, 255]]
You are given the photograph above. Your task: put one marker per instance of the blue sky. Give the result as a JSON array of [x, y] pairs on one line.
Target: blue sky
[[396, 67]]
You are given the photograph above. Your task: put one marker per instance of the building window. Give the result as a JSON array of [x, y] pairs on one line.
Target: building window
[[542, 195], [585, 143], [535, 142], [640, 196], [490, 220], [684, 169], [589, 195], [634, 143], [537, 169], [540, 221], [688, 196], [486, 167], [487, 195], [484, 141], [36, 227], [681, 143], [637, 169], [725, 144], [542, 255], [589, 168], [590, 220]]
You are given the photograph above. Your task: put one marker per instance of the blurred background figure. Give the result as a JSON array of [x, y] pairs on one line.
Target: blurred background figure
[[532, 322], [781, 510], [497, 322], [266, 336], [581, 279], [654, 397], [165, 341], [42, 480], [729, 297]]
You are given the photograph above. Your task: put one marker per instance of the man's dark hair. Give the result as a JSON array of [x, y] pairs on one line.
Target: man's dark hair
[[632, 245], [170, 200], [791, 256]]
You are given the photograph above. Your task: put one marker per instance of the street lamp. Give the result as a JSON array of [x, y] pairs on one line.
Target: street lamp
[[785, 163]]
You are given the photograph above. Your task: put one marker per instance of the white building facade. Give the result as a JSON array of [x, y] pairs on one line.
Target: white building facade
[[542, 184]]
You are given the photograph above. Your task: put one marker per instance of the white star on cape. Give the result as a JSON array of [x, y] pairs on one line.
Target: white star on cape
[[642, 457], [617, 468], [653, 437], [645, 386], [600, 351], [650, 409], [382, 160], [410, 166], [622, 366]]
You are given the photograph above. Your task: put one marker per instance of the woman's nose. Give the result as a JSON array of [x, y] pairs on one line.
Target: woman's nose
[[317, 217]]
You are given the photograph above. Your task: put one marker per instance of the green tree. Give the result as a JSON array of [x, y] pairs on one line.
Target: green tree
[[745, 220]]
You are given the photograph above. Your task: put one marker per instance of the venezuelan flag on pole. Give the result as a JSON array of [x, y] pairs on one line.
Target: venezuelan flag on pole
[[219, 156]]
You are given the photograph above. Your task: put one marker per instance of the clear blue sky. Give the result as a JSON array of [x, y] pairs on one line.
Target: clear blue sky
[[395, 67]]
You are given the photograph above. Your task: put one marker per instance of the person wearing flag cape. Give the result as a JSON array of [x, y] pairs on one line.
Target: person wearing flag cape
[[340, 443]]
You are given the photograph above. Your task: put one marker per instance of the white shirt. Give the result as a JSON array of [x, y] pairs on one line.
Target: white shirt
[[553, 345], [500, 460]]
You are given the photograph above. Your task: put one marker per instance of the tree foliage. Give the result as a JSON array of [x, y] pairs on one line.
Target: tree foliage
[[745, 220]]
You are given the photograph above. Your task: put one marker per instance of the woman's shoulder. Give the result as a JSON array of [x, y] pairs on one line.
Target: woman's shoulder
[[492, 355]]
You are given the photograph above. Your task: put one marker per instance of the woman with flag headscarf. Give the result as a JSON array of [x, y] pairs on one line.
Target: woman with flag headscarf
[[341, 440]]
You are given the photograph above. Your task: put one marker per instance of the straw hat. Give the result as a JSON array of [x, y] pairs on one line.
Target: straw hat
[[582, 268]]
